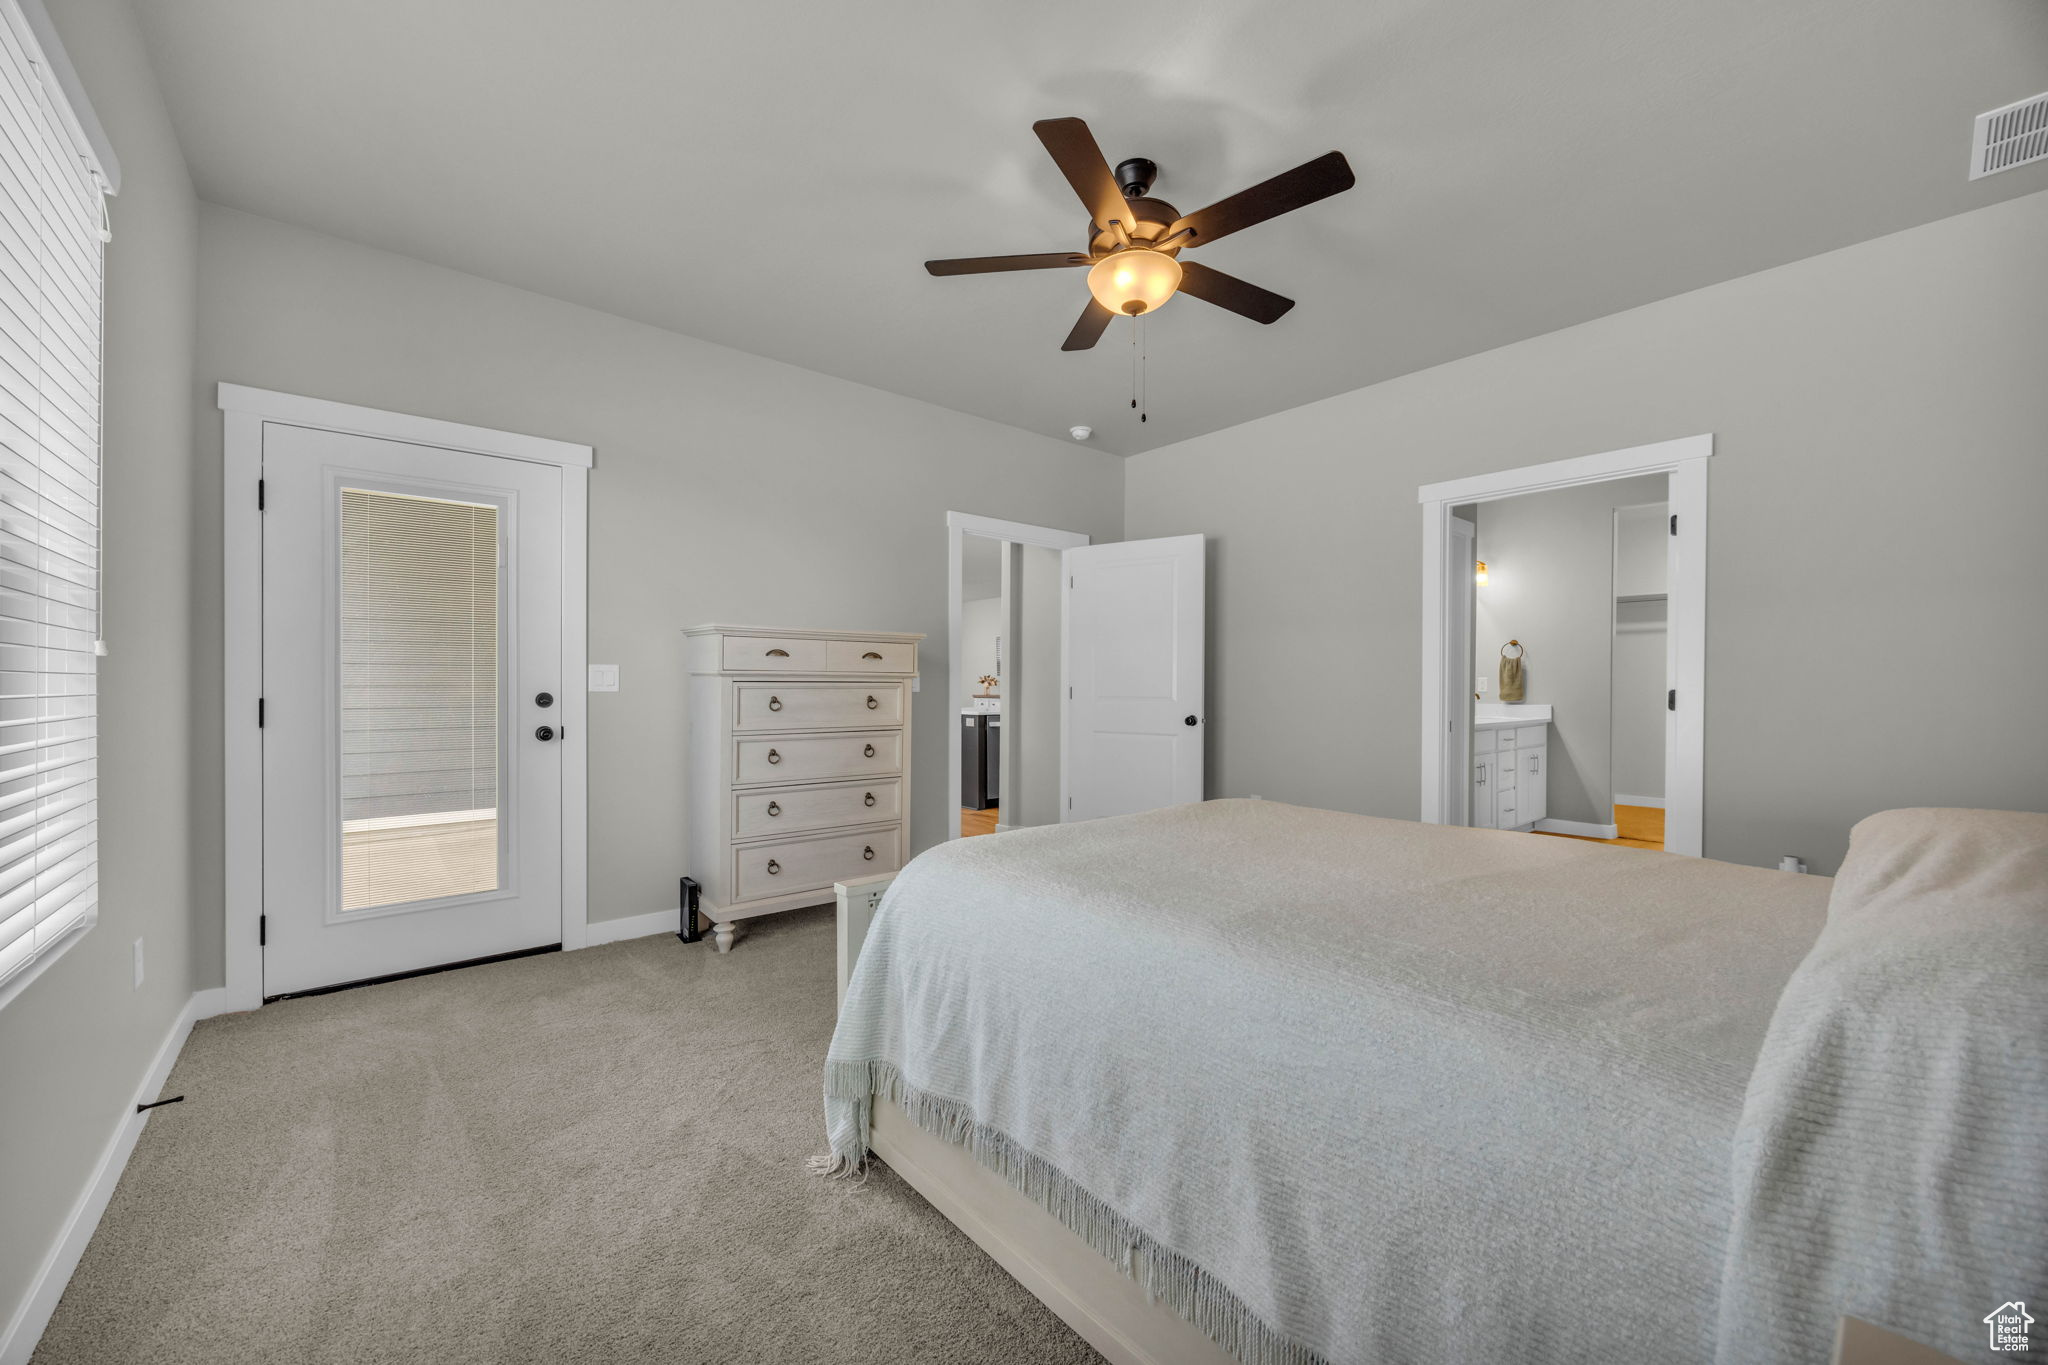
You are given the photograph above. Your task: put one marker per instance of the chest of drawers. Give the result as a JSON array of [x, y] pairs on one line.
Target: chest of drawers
[[798, 769]]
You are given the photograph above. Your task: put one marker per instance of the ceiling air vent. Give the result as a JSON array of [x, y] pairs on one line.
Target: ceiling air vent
[[2010, 137]]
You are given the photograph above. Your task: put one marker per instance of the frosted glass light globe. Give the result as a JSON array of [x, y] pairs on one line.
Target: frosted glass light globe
[[1134, 280]]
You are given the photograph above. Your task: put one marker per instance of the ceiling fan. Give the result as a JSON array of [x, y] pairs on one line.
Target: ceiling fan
[[1134, 241]]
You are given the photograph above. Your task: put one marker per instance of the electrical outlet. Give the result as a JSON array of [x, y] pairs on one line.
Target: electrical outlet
[[914, 681], [1481, 686], [138, 964], [604, 677]]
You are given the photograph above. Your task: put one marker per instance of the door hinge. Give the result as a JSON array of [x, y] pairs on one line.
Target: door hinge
[[1070, 803], [1671, 700], [263, 931], [259, 713], [259, 495], [1674, 523]]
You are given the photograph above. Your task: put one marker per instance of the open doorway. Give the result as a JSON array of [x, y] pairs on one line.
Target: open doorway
[[1569, 678], [1005, 655], [1563, 650]]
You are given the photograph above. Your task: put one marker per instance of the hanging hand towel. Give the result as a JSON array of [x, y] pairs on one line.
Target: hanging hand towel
[[1511, 671]]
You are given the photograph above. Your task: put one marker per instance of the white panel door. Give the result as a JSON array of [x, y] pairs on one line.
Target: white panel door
[[412, 774], [1134, 657]]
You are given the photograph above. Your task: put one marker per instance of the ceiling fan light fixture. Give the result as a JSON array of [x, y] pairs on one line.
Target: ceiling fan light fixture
[[1134, 280]]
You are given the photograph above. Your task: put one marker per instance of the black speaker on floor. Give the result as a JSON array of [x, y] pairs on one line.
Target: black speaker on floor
[[689, 932]]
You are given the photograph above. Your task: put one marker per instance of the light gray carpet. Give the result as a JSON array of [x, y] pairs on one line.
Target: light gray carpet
[[582, 1157]]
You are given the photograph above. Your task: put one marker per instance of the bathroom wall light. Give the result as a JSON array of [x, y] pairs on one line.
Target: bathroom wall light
[[1480, 577]]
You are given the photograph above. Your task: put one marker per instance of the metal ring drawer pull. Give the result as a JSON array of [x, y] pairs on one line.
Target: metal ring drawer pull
[[870, 800], [778, 654], [871, 655], [774, 868], [867, 750], [872, 703], [774, 808], [868, 853], [774, 703], [774, 757]]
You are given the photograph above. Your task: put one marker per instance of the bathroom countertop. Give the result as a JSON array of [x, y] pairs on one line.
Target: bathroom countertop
[[1496, 715]]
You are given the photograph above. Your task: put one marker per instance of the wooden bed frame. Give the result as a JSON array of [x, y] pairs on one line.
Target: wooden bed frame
[[1107, 1306]]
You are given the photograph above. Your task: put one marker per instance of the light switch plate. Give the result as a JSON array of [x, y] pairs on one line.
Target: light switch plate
[[604, 677]]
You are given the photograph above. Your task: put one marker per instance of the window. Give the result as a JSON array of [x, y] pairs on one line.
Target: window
[[51, 240]]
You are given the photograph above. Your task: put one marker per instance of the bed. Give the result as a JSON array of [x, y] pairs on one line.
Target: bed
[[1318, 1087]]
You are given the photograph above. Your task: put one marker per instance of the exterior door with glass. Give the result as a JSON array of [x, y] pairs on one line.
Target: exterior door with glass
[[412, 662]]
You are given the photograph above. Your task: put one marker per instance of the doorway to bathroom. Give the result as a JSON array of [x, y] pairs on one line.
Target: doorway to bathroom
[[1564, 647], [1004, 586]]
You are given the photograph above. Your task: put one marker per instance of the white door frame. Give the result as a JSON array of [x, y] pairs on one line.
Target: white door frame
[[958, 526], [1685, 460], [244, 412]]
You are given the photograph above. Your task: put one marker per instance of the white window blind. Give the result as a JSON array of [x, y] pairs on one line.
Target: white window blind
[[51, 240]]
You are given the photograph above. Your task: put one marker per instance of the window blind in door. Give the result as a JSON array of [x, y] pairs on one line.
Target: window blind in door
[[51, 238]]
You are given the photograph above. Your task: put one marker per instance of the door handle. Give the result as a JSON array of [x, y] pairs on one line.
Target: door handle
[[774, 703], [870, 800], [774, 809], [868, 853], [544, 733], [544, 699], [867, 750], [774, 868], [774, 757], [872, 703], [1189, 721]]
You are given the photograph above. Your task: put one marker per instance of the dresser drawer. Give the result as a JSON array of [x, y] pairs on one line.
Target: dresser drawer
[[792, 865], [772, 654], [864, 656], [814, 758], [816, 706], [791, 810]]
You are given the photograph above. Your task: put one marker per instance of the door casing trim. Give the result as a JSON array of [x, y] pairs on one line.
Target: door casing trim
[[1685, 459], [245, 412]]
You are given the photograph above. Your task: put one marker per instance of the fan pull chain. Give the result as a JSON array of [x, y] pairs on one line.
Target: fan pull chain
[[1134, 362], [1144, 370]]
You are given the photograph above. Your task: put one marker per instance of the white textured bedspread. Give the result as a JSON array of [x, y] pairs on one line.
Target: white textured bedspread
[[1345, 1089]]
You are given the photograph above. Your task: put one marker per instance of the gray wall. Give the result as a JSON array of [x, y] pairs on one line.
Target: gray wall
[[1035, 701], [75, 1043], [1641, 637], [1550, 571], [727, 488], [1876, 493]]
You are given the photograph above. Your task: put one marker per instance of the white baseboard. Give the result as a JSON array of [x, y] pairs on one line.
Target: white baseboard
[[18, 1342], [1653, 802], [1578, 827], [633, 926]]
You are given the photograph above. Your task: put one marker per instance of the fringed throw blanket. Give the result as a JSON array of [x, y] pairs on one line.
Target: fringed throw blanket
[[1342, 1089]]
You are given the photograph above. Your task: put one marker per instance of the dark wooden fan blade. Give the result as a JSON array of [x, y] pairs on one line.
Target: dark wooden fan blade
[[1093, 323], [1319, 179], [1074, 151], [983, 265], [1228, 291]]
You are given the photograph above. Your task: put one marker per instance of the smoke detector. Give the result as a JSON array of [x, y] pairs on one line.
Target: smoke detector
[[2009, 137], [1080, 433]]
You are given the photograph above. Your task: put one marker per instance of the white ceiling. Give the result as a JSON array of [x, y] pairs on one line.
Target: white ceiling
[[772, 175]]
